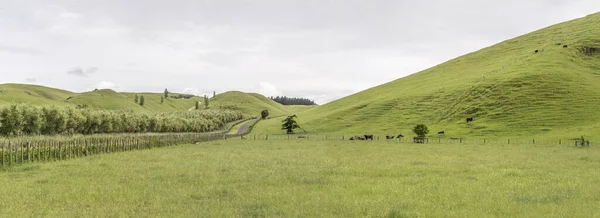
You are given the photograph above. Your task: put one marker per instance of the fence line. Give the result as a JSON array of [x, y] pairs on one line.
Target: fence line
[[432, 140], [17, 152]]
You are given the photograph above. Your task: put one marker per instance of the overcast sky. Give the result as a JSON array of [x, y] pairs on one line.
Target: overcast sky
[[317, 49]]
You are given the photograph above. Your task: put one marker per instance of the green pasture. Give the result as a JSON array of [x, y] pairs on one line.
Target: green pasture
[[306, 178]]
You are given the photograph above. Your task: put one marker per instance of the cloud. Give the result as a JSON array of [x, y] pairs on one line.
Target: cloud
[[106, 85], [268, 89], [78, 71], [20, 50]]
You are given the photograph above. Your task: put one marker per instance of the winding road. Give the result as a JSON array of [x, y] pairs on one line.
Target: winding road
[[244, 127]]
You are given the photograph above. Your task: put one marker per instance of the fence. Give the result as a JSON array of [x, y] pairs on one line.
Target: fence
[[431, 140], [19, 152]]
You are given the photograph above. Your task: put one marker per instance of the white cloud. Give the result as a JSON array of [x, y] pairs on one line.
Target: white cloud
[[267, 89], [106, 85]]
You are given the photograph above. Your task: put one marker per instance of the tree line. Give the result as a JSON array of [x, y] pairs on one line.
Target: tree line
[[22, 119], [292, 101]]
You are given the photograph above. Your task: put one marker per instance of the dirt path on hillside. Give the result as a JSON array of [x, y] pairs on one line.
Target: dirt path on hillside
[[244, 127]]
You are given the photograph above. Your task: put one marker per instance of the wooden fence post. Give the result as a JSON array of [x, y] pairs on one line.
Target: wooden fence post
[[3, 147], [59, 151]]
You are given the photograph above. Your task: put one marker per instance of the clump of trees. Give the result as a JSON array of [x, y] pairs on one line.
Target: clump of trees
[[21, 119], [264, 113], [289, 124], [421, 130], [292, 101]]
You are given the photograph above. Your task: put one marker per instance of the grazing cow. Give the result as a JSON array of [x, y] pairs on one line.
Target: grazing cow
[[389, 137], [400, 136], [441, 132], [469, 119], [559, 43], [536, 51], [367, 137], [565, 46]]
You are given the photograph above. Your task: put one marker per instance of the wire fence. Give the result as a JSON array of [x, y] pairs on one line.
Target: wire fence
[[432, 140], [21, 151]]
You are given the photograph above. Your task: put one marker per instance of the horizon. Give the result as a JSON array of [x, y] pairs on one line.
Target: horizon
[[322, 52]]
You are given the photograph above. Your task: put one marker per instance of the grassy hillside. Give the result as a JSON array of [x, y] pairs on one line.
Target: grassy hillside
[[249, 103], [508, 89]]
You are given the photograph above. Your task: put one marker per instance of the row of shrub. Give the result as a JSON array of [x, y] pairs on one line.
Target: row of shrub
[[20, 119]]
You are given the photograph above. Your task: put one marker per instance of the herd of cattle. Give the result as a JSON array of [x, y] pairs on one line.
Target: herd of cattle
[[370, 137]]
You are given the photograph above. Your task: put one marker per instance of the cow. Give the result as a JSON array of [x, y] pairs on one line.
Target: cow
[[441, 132], [389, 137], [559, 43], [367, 137], [400, 136], [565, 46], [357, 138], [536, 51], [469, 119]]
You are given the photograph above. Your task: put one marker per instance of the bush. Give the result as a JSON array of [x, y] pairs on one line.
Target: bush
[[421, 130]]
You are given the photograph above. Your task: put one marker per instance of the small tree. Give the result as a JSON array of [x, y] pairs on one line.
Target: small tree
[[264, 114], [421, 130], [214, 94], [290, 124], [135, 99], [166, 93], [197, 105], [162, 99], [142, 100], [205, 101]]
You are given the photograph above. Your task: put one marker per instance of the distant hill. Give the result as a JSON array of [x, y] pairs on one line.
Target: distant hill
[[540, 84], [250, 104]]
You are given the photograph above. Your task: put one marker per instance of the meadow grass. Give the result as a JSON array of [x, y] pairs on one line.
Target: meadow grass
[[245, 178]]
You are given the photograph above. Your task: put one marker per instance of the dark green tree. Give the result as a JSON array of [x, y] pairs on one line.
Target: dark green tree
[[214, 94], [289, 124], [197, 105], [166, 93], [142, 100], [135, 99], [264, 114], [205, 101], [421, 130]]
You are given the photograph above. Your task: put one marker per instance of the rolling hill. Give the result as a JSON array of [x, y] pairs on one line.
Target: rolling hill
[[249, 103], [540, 84]]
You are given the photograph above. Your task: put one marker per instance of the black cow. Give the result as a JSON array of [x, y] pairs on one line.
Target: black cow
[[536, 51], [441, 132], [469, 119], [400, 136], [559, 43], [367, 137], [565, 46], [389, 137]]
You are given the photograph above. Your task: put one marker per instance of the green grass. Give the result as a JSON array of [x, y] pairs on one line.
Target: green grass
[[507, 88], [249, 103], [312, 179]]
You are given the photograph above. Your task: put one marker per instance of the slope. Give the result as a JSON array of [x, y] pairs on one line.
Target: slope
[[509, 89], [250, 104], [104, 98]]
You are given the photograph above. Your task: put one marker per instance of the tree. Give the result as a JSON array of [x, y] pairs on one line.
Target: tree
[[135, 99], [214, 94], [166, 93], [142, 100], [421, 130], [264, 114], [205, 101], [162, 99], [290, 124], [197, 105]]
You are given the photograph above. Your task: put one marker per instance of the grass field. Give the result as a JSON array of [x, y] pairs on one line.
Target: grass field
[[312, 179]]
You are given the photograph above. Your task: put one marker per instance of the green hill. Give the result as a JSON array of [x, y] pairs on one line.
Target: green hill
[[249, 103], [509, 89]]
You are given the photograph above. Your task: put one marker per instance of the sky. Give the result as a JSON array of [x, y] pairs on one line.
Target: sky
[[317, 49]]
